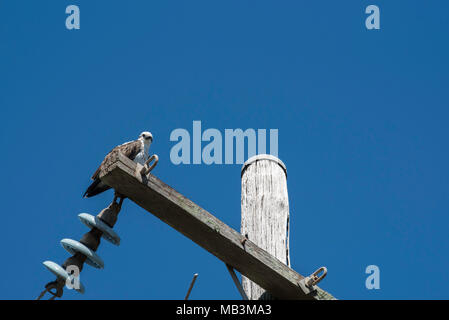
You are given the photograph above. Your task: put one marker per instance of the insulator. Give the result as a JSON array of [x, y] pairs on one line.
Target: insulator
[[94, 222], [92, 259], [59, 272], [84, 251]]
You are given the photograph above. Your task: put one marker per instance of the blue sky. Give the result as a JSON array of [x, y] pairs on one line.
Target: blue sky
[[362, 118]]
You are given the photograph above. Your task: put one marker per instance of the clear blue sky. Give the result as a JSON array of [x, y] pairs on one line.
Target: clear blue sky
[[363, 129]]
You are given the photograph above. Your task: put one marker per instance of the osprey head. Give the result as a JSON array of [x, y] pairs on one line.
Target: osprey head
[[146, 136]]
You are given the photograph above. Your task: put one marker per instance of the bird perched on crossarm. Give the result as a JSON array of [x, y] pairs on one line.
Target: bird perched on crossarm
[[137, 150]]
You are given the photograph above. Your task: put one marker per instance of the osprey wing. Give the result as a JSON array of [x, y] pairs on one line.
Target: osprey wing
[[129, 149]]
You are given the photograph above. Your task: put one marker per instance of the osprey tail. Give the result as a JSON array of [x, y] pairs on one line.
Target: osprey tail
[[95, 188]]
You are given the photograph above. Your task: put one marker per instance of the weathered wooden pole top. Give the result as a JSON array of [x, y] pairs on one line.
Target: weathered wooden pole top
[[264, 157], [203, 228]]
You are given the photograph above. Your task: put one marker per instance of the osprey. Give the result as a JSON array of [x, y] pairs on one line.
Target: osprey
[[135, 150]]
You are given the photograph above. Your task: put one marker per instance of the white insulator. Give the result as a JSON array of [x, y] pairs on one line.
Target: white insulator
[[94, 222], [59, 271], [73, 247]]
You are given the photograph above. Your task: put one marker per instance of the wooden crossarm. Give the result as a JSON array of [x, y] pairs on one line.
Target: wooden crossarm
[[205, 229]]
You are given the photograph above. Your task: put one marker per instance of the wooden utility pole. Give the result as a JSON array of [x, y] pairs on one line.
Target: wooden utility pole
[[265, 212]]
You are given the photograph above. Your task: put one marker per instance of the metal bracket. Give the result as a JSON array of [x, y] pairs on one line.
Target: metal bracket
[[146, 169], [308, 284], [236, 282]]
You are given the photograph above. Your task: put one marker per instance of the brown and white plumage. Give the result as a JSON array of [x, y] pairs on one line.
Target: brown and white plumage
[[136, 150]]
